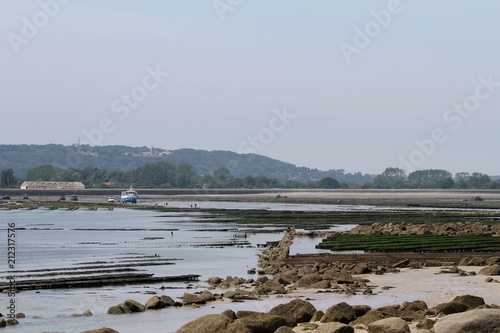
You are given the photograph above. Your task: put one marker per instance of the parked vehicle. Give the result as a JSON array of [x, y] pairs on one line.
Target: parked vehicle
[[6, 197], [74, 198]]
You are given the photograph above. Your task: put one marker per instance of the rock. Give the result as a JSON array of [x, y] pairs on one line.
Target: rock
[[206, 296], [473, 321], [307, 280], [469, 300], [414, 306], [368, 318], [230, 314], [334, 328], [493, 261], [390, 310], [3, 323], [214, 323], [389, 325], [154, 303], [116, 309], [425, 324], [301, 311], [188, 298], [323, 284], [490, 270], [361, 268], [317, 316], [361, 310], [102, 330], [134, 306], [450, 308], [262, 323], [401, 264], [21, 315], [342, 313], [344, 278], [214, 280], [167, 300]]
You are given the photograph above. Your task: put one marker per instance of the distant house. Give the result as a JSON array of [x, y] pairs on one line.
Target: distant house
[[52, 186]]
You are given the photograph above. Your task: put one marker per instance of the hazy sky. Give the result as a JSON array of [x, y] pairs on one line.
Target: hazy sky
[[354, 85]]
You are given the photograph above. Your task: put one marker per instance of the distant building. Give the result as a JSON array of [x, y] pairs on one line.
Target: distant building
[[52, 186]]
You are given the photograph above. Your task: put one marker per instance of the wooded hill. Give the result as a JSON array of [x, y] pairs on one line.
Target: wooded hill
[[21, 158]]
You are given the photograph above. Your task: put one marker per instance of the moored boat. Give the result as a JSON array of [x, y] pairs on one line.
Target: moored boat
[[129, 195]]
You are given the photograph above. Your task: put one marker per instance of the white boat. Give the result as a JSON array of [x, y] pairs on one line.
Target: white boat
[[129, 196]]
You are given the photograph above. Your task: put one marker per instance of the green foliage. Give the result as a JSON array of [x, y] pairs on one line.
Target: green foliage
[[410, 243], [7, 179]]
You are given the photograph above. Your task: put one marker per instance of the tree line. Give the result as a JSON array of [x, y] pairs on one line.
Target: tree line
[[169, 175]]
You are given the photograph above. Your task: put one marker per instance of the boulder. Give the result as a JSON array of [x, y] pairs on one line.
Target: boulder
[[450, 308], [206, 296], [102, 330], [3, 323], [230, 314], [469, 300], [473, 321], [493, 261], [389, 325], [214, 280], [300, 310], [307, 280], [134, 306], [155, 302], [361, 310], [342, 313], [368, 318], [167, 300], [188, 298], [317, 316], [490, 270], [262, 323], [334, 328], [214, 323]]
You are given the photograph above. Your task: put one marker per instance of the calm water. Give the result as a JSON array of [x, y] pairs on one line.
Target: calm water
[[49, 239], [58, 239]]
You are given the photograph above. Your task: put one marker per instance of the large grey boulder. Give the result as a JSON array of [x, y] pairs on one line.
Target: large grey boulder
[[473, 321], [301, 311], [342, 313], [134, 306], [262, 323], [334, 328], [389, 325], [470, 300], [490, 270], [214, 323]]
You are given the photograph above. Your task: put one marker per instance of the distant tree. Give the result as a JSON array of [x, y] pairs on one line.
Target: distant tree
[[222, 177], [462, 179], [45, 172], [7, 178], [432, 178], [479, 180], [329, 182], [391, 178]]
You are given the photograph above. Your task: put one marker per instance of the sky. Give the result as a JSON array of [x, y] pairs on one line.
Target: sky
[[327, 84]]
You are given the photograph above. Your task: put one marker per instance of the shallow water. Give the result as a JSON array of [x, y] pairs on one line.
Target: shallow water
[[59, 238], [49, 239]]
